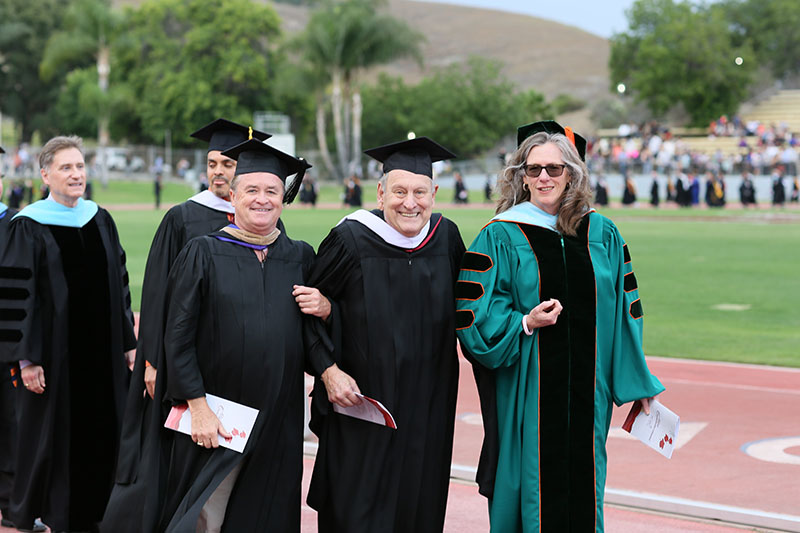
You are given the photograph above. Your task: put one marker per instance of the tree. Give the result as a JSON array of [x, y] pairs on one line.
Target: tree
[[342, 39], [74, 98], [467, 108], [25, 26], [191, 61], [89, 27], [676, 53], [772, 27]]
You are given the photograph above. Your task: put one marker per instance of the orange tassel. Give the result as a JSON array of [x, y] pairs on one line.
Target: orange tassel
[[570, 135]]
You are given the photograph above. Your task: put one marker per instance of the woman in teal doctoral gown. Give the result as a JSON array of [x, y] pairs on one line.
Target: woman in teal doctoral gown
[[549, 314]]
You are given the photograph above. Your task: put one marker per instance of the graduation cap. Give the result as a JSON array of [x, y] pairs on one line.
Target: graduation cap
[[223, 134], [255, 156], [1, 150], [415, 155], [551, 126]]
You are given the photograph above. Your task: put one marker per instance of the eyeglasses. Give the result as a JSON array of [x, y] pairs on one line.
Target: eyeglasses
[[553, 170]]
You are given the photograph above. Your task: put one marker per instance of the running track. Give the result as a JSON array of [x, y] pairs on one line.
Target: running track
[[738, 460], [723, 407]]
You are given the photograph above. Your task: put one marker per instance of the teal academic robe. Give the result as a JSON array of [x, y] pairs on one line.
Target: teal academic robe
[[547, 397]]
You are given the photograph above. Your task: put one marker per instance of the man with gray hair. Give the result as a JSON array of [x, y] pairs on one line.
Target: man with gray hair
[[391, 274], [66, 325]]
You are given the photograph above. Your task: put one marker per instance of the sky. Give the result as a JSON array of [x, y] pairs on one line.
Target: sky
[[601, 17]]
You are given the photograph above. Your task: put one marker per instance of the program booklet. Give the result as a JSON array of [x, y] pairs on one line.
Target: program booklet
[[370, 410], [237, 419], [659, 429]]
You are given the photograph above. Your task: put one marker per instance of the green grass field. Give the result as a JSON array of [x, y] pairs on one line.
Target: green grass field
[[687, 263]]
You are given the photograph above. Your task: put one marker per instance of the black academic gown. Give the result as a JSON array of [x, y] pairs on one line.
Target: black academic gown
[[654, 194], [140, 463], [747, 193], [66, 306], [629, 193], [235, 331], [778, 191], [682, 194], [8, 425], [601, 194], [395, 335]]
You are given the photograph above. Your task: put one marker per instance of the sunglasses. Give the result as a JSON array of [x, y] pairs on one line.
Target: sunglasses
[[553, 170]]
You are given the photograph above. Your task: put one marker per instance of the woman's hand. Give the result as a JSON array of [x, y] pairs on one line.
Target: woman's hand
[[544, 314], [646, 403]]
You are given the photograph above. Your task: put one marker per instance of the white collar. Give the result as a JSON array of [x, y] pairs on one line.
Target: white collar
[[386, 232], [212, 201]]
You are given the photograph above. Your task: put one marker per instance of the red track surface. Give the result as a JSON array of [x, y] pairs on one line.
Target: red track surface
[[739, 404], [722, 408]]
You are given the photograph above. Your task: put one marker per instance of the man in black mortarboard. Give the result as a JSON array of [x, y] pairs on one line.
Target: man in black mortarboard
[[235, 331], [390, 274], [139, 456]]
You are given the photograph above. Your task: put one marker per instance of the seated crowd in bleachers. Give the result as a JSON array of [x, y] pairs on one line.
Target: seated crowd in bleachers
[[639, 150]]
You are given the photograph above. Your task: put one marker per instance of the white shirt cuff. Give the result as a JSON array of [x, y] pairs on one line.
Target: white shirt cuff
[[24, 363], [525, 326]]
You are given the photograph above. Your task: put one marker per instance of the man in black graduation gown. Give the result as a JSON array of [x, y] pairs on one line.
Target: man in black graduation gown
[[778, 190], [201, 214], [235, 331], [747, 191], [390, 273], [139, 468], [8, 425], [66, 322]]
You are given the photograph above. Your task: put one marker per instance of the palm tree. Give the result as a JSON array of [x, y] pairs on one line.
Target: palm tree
[[89, 27], [343, 38]]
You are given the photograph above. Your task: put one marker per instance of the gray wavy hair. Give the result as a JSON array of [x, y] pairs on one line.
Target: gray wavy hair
[[55, 145], [576, 200]]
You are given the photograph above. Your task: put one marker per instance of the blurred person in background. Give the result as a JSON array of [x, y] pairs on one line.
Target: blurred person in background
[[461, 195], [778, 188], [629, 191], [601, 191], [654, 194], [309, 191], [747, 191], [715, 189]]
